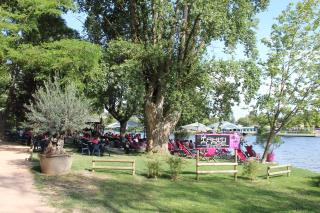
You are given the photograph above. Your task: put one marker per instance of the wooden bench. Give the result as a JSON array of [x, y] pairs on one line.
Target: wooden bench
[[275, 173], [234, 171], [132, 167]]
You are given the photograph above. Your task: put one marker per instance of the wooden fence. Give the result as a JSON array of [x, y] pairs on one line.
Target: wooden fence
[[234, 171], [286, 171], [132, 167]]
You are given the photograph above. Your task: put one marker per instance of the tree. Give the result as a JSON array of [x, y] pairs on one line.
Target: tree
[[252, 119], [221, 89], [35, 43], [57, 111], [121, 90], [306, 119], [291, 73], [19, 18], [228, 80], [174, 36]]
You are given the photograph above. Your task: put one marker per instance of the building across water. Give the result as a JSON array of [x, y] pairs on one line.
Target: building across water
[[226, 126]]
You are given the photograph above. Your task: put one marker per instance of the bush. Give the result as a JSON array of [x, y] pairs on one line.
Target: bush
[[56, 111], [250, 169], [154, 166], [175, 166]]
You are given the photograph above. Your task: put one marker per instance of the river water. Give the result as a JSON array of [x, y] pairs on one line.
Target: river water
[[302, 152]]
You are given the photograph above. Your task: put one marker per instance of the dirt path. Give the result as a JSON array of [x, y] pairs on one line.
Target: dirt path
[[17, 190]]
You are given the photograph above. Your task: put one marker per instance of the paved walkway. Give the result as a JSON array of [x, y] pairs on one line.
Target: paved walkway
[[17, 190]]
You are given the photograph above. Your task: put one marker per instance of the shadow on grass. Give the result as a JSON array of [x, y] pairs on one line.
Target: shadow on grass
[[126, 193], [315, 181], [119, 191]]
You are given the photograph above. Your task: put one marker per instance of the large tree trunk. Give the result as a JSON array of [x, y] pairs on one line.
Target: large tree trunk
[[158, 125], [270, 138], [123, 128]]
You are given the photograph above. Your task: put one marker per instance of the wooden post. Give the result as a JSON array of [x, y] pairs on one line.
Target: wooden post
[[133, 167], [197, 161], [235, 166], [268, 171], [288, 174], [93, 165]]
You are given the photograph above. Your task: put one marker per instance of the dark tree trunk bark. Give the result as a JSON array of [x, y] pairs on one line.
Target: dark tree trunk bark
[[123, 128], [271, 136]]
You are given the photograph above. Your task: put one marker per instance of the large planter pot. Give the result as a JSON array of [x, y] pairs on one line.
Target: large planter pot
[[270, 157], [55, 164]]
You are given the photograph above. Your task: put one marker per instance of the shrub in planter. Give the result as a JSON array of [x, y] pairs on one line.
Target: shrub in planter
[[56, 111], [250, 169], [175, 166]]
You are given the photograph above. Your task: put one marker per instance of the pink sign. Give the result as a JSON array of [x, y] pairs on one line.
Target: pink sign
[[218, 140]]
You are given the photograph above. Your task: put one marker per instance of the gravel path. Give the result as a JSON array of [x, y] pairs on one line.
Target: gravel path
[[17, 190]]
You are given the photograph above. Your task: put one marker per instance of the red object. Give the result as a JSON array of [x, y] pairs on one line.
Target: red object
[[270, 157], [186, 151], [250, 151], [241, 155], [95, 140], [210, 152], [170, 147]]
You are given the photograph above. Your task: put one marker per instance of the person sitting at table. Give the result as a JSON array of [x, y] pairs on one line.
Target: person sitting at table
[[95, 146], [95, 140]]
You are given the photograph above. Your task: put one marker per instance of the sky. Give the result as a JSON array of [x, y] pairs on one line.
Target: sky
[[266, 20]]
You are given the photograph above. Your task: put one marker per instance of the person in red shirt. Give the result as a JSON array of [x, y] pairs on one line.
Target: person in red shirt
[[95, 140], [95, 146]]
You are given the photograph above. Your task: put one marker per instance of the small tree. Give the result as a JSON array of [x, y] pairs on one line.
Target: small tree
[[175, 166], [250, 169], [57, 111], [291, 74]]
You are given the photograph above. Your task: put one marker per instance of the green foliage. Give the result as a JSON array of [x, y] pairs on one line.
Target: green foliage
[[175, 166], [229, 79], [251, 168], [120, 90], [307, 118], [173, 36], [35, 43], [245, 121], [291, 72], [263, 139], [4, 82], [75, 60], [154, 166], [57, 110]]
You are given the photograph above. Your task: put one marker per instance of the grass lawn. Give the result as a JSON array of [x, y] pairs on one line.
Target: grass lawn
[[119, 191]]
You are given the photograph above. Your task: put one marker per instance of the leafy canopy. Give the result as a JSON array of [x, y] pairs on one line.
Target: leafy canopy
[[120, 90], [291, 73], [57, 110]]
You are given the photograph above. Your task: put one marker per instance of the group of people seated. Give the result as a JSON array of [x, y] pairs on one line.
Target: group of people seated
[[20, 135], [92, 141]]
